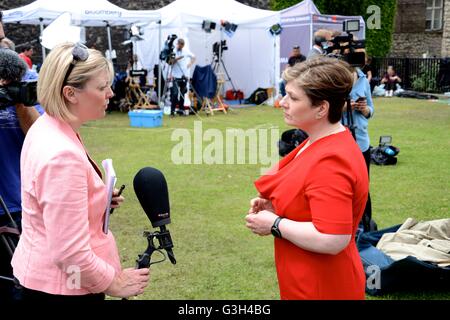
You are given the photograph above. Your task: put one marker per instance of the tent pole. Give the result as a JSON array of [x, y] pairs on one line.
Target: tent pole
[[41, 24], [108, 31], [275, 76], [311, 33], [159, 66]]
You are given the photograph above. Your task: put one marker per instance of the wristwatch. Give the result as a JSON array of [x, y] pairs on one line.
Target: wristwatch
[[275, 230]]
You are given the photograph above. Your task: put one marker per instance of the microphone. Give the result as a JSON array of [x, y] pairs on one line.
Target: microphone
[[12, 69], [151, 190]]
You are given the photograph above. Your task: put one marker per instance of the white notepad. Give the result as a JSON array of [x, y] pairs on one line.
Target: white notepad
[[110, 182]]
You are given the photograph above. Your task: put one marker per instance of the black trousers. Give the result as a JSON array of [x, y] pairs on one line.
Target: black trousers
[[391, 85], [177, 91], [367, 216], [33, 295]]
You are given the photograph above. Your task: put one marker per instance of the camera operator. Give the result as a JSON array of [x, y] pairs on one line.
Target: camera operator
[[362, 110], [350, 49], [180, 74], [15, 120], [322, 38]]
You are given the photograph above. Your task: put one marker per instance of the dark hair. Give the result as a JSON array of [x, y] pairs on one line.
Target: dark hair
[[27, 47], [323, 79]]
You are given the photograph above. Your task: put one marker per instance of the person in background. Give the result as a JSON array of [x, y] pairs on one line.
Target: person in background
[[15, 121], [295, 57], [312, 201], [362, 110], [181, 72], [390, 81], [322, 38], [26, 54], [63, 253], [8, 44], [367, 69]]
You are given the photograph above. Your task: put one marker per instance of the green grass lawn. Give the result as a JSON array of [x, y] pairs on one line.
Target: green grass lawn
[[217, 257]]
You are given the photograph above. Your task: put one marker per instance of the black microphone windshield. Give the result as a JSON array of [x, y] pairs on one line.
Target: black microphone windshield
[[150, 187], [12, 67]]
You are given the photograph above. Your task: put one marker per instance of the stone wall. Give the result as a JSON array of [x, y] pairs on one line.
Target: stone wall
[[446, 30], [410, 38], [95, 37], [414, 45]]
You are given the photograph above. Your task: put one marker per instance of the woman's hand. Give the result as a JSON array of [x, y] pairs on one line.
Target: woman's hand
[[259, 204], [261, 223], [362, 107], [130, 282], [116, 200]]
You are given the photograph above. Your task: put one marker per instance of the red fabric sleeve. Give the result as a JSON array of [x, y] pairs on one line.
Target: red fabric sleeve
[[329, 190]]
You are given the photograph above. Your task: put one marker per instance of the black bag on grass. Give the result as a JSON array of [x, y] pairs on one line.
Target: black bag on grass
[[290, 139], [257, 97], [385, 153]]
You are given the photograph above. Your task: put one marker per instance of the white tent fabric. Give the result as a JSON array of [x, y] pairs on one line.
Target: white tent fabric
[[88, 13], [301, 8], [299, 23], [252, 56], [59, 31]]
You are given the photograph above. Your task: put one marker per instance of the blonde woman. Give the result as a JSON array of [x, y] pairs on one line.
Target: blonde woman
[[63, 253]]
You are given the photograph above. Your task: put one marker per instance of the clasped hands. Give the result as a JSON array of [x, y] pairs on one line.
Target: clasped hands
[[261, 216]]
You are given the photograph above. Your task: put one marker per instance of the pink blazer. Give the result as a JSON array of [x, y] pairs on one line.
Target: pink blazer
[[62, 249]]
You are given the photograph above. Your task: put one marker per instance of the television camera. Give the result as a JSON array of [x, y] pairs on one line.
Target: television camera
[[167, 54], [15, 91], [344, 47], [219, 47]]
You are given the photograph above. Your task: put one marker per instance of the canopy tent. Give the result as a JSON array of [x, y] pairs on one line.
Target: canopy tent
[[252, 56], [88, 13], [299, 23]]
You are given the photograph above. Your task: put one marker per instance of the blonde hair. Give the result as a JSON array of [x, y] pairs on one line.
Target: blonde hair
[[7, 43], [323, 79], [50, 84]]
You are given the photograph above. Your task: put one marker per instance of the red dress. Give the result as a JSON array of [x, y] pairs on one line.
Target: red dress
[[327, 184]]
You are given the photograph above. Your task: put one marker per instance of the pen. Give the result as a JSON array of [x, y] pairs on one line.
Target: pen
[[118, 195]]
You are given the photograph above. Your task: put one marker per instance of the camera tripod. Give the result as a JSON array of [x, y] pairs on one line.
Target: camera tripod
[[218, 62], [170, 81]]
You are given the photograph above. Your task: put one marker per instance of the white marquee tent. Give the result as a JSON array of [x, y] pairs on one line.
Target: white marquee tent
[[89, 13], [252, 58], [299, 23]]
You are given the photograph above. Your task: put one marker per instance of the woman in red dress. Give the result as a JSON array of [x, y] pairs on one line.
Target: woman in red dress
[[314, 198]]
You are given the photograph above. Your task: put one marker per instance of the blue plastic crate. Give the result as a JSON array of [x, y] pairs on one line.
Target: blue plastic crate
[[146, 118]]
